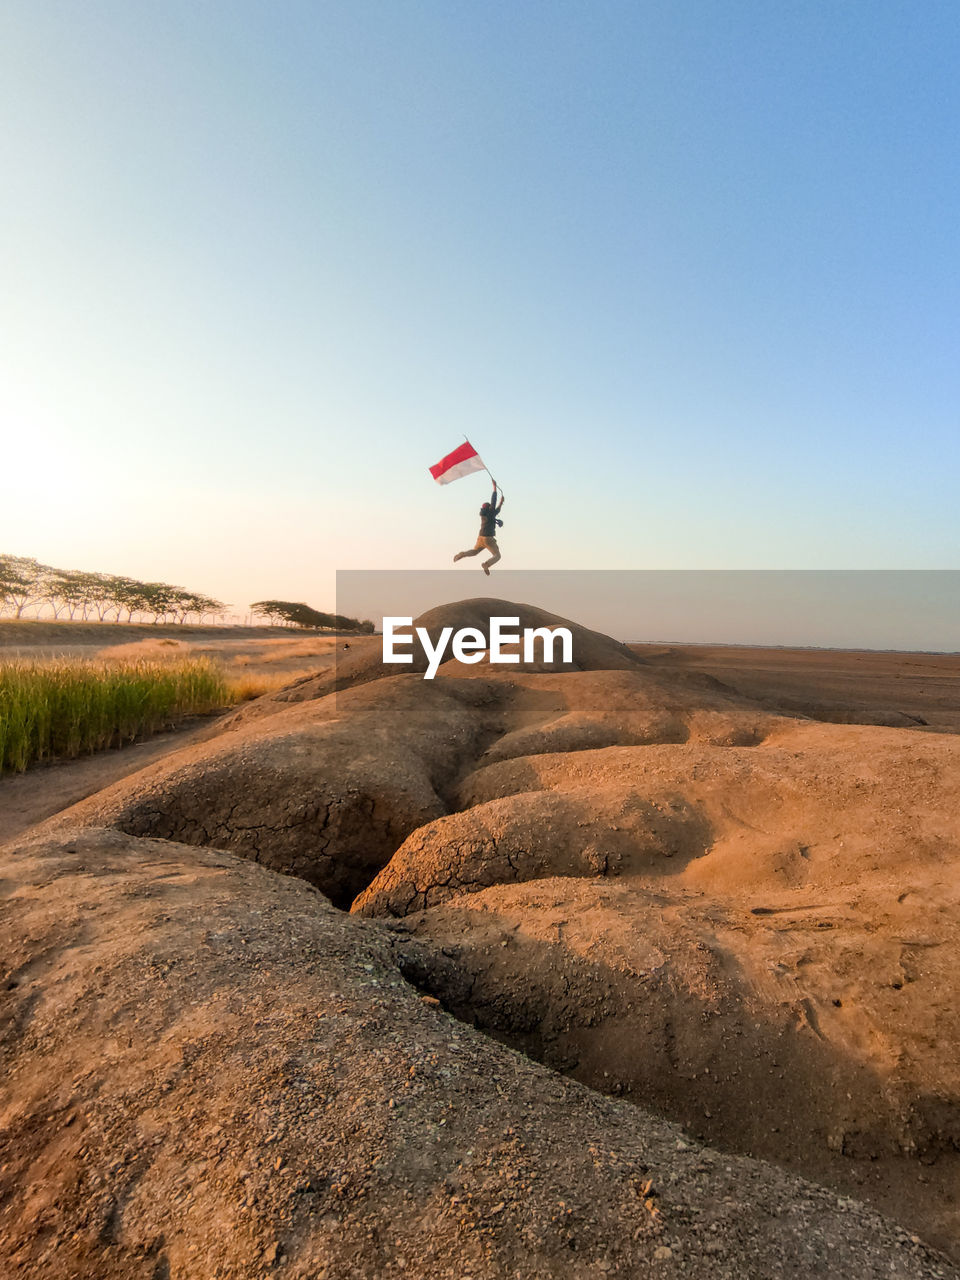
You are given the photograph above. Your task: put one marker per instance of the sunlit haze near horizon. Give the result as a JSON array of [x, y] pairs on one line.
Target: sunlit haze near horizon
[[686, 274]]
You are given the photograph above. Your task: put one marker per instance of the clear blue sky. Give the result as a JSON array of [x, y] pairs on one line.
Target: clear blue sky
[[685, 273]]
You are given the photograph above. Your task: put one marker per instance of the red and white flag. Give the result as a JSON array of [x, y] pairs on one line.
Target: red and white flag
[[461, 462]]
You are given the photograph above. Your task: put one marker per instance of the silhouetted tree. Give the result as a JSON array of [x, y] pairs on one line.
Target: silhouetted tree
[[25, 582], [21, 583], [70, 591], [297, 614]]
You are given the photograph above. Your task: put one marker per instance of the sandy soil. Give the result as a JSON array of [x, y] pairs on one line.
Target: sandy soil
[[656, 874], [919, 690], [28, 798], [207, 1072]]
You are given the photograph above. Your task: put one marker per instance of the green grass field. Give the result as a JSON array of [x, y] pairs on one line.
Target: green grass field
[[65, 708]]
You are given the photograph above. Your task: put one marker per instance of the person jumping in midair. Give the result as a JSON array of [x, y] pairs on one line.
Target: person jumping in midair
[[487, 538]]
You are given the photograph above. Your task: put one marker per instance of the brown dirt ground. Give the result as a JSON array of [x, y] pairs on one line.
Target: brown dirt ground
[[909, 690], [29, 798], [208, 1072], [656, 874]]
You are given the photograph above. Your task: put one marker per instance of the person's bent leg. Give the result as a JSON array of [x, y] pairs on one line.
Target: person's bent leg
[[474, 551], [491, 545]]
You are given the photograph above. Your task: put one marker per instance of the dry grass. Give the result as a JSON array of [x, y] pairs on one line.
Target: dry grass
[[66, 708], [64, 703], [246, 687]]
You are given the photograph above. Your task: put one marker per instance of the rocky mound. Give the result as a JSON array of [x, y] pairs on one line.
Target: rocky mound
[[638, 876], [209, 1072], [324, 791], [573, 832], [328, 788], [762, 942], [592, 651], [801, 812]]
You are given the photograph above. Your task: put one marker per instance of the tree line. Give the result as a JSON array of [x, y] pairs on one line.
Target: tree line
[[298, 614], [28, 587]]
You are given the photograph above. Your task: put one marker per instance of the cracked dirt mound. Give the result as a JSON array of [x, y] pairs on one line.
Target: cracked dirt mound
[[639, 876], [811, 809], [321, 792], [762, 942], [363, 662], [573, 832], [209, 1072], [328, 788]]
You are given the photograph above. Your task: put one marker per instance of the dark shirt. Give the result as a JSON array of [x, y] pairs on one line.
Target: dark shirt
[[488, 518]]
